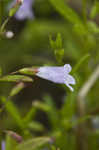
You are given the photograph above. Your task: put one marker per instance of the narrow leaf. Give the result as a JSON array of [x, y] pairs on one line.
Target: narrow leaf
[[17, 89], [67, 12], [36, 126], [80, 63], [13, 111], [30, 115], [33, 144], [15, 78]]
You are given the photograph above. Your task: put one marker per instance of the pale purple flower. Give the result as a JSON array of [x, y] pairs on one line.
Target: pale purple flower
[[2, 145], [57, 75], [25, 10]]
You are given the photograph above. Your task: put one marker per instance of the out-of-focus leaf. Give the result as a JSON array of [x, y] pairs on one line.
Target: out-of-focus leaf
[[16, 78], [80, 30], [53, 148], [30, 115], [41, 106], [93, 27], [95, 10], [0, 71], [70, 15], [59, 55], [13, 111], [17, 89], [79, 27], [53, 113], [50, 109], [33, 144], [66, 11], [80, 63], [68, 110], [14, 136], [35, 126], [9, 142]]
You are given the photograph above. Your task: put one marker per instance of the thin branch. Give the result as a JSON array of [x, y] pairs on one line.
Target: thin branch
[[82, 128], [88, 85]]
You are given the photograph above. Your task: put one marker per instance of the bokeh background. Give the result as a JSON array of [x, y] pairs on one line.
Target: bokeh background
[[42, 108]]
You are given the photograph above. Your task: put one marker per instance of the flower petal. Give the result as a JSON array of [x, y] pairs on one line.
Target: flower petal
[[69, 80], [25, 10], [54, 74], [67, 68]]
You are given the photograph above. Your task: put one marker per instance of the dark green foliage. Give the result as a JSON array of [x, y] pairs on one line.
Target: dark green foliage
[[48, 116]]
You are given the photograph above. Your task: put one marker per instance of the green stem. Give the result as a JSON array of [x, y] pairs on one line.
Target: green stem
[[4, 24], [84, 10]]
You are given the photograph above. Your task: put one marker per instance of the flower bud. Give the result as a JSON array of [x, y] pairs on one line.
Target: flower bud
[[9, 34]]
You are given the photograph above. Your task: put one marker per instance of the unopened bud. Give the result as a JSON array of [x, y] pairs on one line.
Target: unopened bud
[[9, 34], [28, 71]]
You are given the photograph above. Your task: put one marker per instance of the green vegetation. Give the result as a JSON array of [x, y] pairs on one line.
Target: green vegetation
[[36, 114]]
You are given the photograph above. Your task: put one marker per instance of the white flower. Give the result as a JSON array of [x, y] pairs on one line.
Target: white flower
[[57, 75]]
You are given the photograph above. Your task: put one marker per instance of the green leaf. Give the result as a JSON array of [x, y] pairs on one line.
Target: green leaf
[[93, 27], [66, 11], [57, 44], [95, 10], [17, 89], [80, 63], [57, 47], [13, 111], [52, 43], [59, 41], [53, 147], [36, 126], [33, 144], [14, 9], [59, 55], [16, 78], [68, 110], [30, 115], [9, 143], [41, 106], [53, 113]]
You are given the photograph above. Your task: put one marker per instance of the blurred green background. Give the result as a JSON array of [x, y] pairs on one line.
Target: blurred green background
[[62, 32]]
